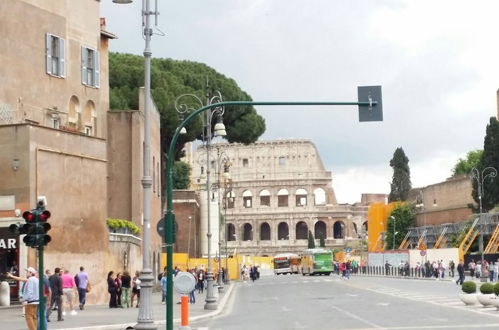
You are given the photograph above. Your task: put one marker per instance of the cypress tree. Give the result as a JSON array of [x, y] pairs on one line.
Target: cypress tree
[[311, 240], [401, 179], [490, 158]]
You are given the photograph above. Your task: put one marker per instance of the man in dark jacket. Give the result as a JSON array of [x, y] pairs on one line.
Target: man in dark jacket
[[56, 287], [460, 271]]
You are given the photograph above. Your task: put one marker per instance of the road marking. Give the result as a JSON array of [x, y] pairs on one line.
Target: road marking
[[285, 309], [382, 304], [357, 317]]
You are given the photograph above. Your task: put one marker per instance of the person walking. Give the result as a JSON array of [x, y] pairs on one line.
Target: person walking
[[460, 272], [68, 289], [164, 287], [83, 285], [111, 288], [126, 281], [117, 280], [136, 288], [56, 287], [200, 281], [30, 296], [452, 266]]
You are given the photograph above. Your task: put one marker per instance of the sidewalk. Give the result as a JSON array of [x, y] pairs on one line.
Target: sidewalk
[[100, 317]]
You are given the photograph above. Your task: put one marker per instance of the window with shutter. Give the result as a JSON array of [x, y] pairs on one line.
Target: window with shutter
[[55, 55], [90, 73]]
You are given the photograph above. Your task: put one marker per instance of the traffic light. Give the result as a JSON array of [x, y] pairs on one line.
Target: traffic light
[[35, 228]]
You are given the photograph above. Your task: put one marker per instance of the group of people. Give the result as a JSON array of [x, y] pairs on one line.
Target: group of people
[[489, 270], [59, 290], [252, 272], [123, 289]]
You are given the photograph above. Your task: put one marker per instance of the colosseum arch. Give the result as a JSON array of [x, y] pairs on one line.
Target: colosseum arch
[[283, 231], [319, 196], [231, 232], [282, 198], [301, 230], [301, 197], [265, 232], [247, 232], [320, 230], [339, 229]]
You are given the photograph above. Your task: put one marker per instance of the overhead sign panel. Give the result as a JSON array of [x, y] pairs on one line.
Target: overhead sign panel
[[373, 110]]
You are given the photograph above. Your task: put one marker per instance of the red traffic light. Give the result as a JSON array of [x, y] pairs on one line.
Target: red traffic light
[[44, 216], [28, 216]]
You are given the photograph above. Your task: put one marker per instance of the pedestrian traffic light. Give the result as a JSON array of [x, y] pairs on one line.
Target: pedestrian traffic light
[[35, 228]]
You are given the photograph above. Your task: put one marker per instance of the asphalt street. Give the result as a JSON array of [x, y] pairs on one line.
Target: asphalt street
[[328, 302]]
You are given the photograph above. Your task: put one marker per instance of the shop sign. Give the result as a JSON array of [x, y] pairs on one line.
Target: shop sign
[[8, 243]]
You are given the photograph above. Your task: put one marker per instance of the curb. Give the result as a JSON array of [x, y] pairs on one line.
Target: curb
[[219, 310]]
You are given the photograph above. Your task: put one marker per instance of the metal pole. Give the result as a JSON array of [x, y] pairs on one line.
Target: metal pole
[[41, 297], [211, 302], [220, 272], [145, 319], [393, 246]]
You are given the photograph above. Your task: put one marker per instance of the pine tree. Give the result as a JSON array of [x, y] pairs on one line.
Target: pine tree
[[401, 179], [490, 158], [311, 240]]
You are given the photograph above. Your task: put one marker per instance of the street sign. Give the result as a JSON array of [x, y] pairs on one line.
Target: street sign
[[184, 282], [422, 253], [374, 111], [347, 250], [161, 227], [422, 246]]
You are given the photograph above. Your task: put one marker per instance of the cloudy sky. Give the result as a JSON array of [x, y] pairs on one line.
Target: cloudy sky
[[437, 62]]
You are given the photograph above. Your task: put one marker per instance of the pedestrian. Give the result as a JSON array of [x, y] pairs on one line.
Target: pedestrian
[[471, 268], [111, 289], [83, 285], [30, 296], [136, 288], [452, 266], [117, 280], [56, 287], [460, 272], [387, 268], [192, 297], [491, 271], [478, 269], [164, 287], [496, 270], [200, 281], [126, 281], [68, 289]]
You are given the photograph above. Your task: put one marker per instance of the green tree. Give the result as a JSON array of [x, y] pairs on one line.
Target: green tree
[[464, 166], [401, 179], [322, 242], [399, 222], [171, 78], [181, 175], [311, 240], [490, 158]]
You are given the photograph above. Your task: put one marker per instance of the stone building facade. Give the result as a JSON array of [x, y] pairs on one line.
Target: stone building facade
[[277, 192], [449, 201], [54, 102]]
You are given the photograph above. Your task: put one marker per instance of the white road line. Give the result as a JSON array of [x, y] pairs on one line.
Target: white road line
[[374, 325]]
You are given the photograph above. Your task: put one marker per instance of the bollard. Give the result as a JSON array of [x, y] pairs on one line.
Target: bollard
[[4, 294], [184, 313]]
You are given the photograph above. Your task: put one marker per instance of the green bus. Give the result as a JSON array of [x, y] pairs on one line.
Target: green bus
[[317, 261]]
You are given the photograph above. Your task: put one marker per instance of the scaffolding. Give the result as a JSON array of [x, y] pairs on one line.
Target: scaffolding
[[493, 245]]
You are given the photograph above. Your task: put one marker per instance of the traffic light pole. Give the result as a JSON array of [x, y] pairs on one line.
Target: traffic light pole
[[41, 298]]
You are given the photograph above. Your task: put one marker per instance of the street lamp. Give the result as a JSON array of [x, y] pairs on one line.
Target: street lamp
[[222, 160], [228, 197], [480, 178], [219, 130], [145, 318]]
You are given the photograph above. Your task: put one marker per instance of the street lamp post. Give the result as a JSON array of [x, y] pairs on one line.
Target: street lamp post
[[394, 223], [222, 160], [370, 104], [480, 178], [219, 130], [227, 197], [145, 318]]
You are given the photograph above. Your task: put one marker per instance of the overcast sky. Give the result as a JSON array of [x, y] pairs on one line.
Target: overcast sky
[[437, 62]]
